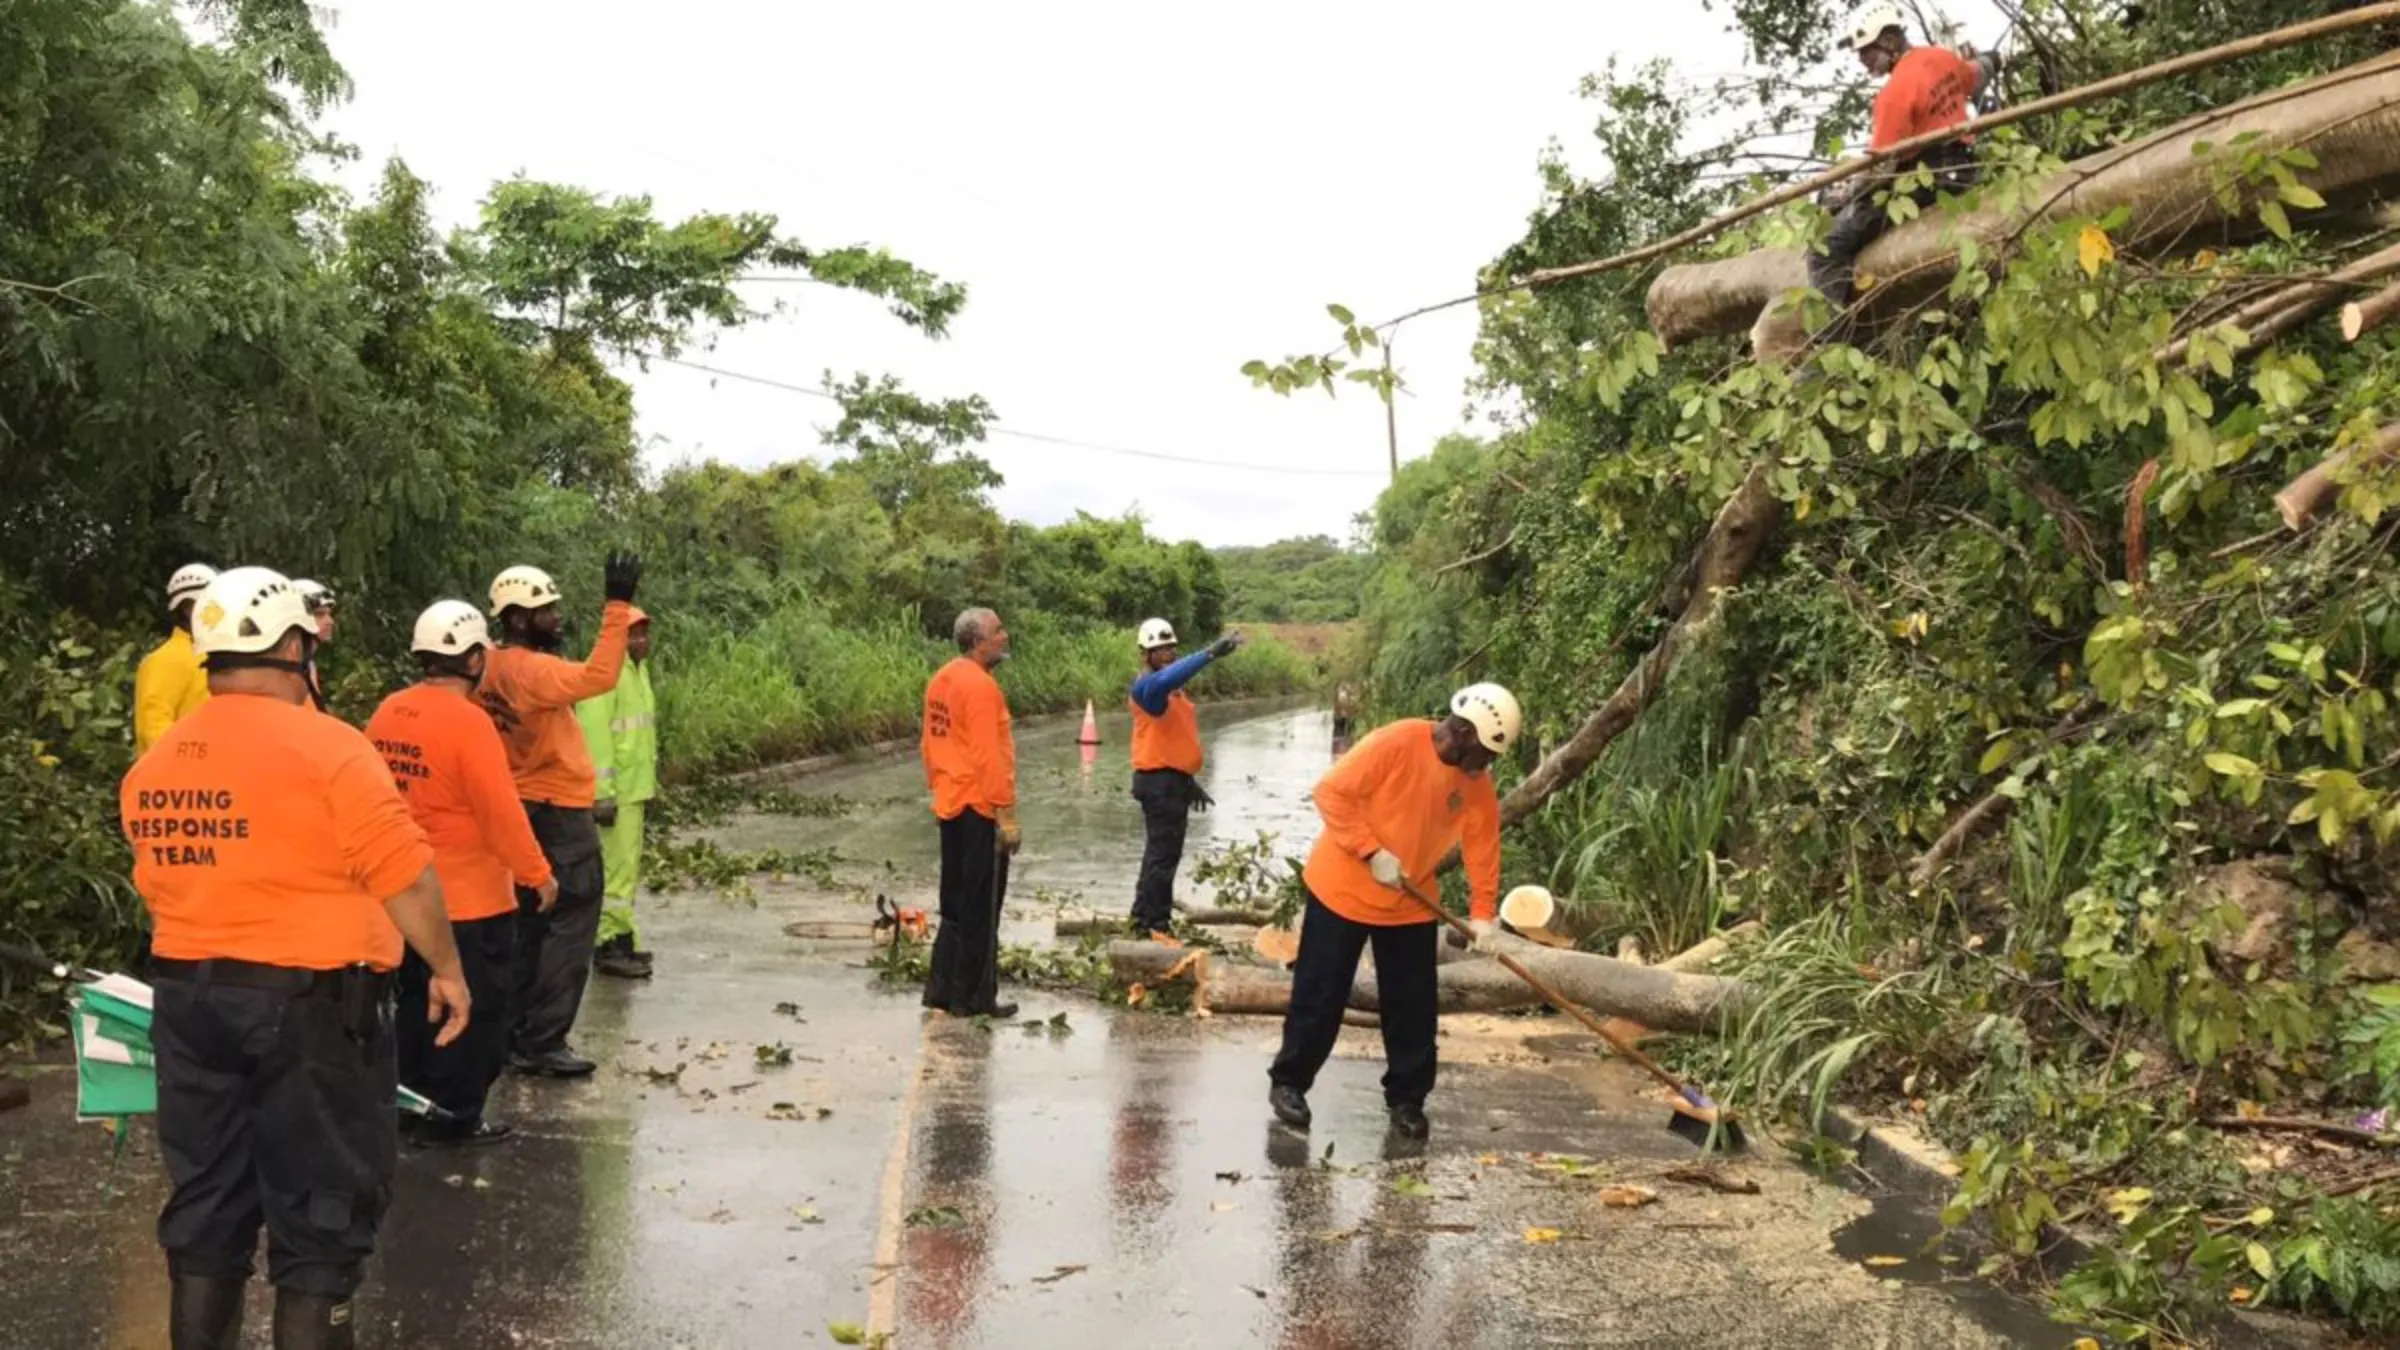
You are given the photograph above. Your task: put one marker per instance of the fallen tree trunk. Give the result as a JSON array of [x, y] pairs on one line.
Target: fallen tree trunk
[[2360, 317], [2305, 496], [2350, 120], [1651, 995], [1077, 925], [1696, 958], [1229, 987], [1734, 538]]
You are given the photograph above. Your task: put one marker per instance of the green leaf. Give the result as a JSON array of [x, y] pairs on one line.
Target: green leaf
[[2261, 1260], [1341, 315], [2000, 753], [2232, 765], [2271, 215], [1412, 1186], [2300, 195], [846, 1333]]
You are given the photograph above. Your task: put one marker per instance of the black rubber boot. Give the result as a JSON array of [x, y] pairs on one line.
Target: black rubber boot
[[313, 1322], [205, 1313], [1409, 1122]]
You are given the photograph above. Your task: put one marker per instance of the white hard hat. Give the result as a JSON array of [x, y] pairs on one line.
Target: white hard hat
[[1156, 633], [1494, 712], [248, 611], [315, 594], [449, 628], [187, 583], [1871, 24], [523, 588]]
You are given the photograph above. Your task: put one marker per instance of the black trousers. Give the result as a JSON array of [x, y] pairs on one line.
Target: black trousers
[[1166, 797], [965, 978], [554, 950], [1330, 946], [458, 1076], [275, 1110], [1863, 219]]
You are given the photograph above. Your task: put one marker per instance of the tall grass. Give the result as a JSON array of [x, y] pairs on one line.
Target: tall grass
[[1646, 853], [797, 682]]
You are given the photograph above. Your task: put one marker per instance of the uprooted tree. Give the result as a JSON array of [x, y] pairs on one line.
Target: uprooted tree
[[2027, 661]]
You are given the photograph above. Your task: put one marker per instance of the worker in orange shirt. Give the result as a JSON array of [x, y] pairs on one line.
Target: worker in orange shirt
[[971, 770], [283, 875], [1926, 89], [531, 692], [451, 767], [1166, 766], [1393, 808]]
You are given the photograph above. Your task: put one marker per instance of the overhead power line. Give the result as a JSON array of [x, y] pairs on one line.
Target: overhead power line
[[818, 391]]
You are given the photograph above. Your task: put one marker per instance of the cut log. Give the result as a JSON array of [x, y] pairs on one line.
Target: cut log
[[1651, 995], [1462, 986], [1734, 538], [2271, 316], [2305, 496], [2350, 120], [2361, 317], [1076, 925], [1697, 957]]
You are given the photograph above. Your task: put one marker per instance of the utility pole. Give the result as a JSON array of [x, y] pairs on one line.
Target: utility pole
[[1391, 417]]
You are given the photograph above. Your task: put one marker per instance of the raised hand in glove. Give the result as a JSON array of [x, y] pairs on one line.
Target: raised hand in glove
[[1483, 930], [1385, 866], [1012, 836], [624, 573], [1227, 645], [604, 814]]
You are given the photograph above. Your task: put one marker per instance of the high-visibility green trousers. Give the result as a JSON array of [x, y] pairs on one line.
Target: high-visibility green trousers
[[621, 859]]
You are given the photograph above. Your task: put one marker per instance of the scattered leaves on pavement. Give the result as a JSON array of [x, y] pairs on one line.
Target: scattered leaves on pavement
[[1412, 1186], [1627, 1197], [934, 1216], [1059, 1273]]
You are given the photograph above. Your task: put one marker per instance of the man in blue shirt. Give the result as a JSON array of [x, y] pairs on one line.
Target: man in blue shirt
[[1166, 767]]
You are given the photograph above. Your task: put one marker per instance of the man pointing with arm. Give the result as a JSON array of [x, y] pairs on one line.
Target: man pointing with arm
[[1166, 767], [531, 692]]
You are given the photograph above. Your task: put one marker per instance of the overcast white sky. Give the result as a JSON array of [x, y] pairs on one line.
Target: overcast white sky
[[1138, 200]]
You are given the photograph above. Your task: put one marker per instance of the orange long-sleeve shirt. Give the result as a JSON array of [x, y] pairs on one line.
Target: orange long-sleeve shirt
[[1393, 792], [531, 697], [448, 761], [1927, 92], [264, 831], [970, 753]]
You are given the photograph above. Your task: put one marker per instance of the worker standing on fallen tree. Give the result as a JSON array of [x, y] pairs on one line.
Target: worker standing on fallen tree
[[283, 874], [971, 769], [1393, 808], [169, 682], [453, 771], [1166, 766], [1925, 89], [531, 692], [621, 728]]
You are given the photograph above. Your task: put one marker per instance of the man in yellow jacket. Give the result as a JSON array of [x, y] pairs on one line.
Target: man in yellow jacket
[[169, 682]]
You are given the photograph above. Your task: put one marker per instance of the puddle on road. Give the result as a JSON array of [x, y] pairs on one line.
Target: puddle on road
[[1083, 831], [1901, 1239]]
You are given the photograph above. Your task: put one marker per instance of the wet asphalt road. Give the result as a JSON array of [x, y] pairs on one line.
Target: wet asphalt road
[[1116, 1184]]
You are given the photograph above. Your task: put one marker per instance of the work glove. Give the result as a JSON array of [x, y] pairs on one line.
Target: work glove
[[604, 813], [624, 576], [1483, 930], [1012, 837], [1227, 645], [1385, 865]]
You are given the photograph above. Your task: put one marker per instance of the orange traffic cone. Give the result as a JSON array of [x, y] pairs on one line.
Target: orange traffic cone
[[1090, 735]]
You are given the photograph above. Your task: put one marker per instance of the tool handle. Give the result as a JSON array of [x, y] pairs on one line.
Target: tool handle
[[31, 959], [1552, 996]]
